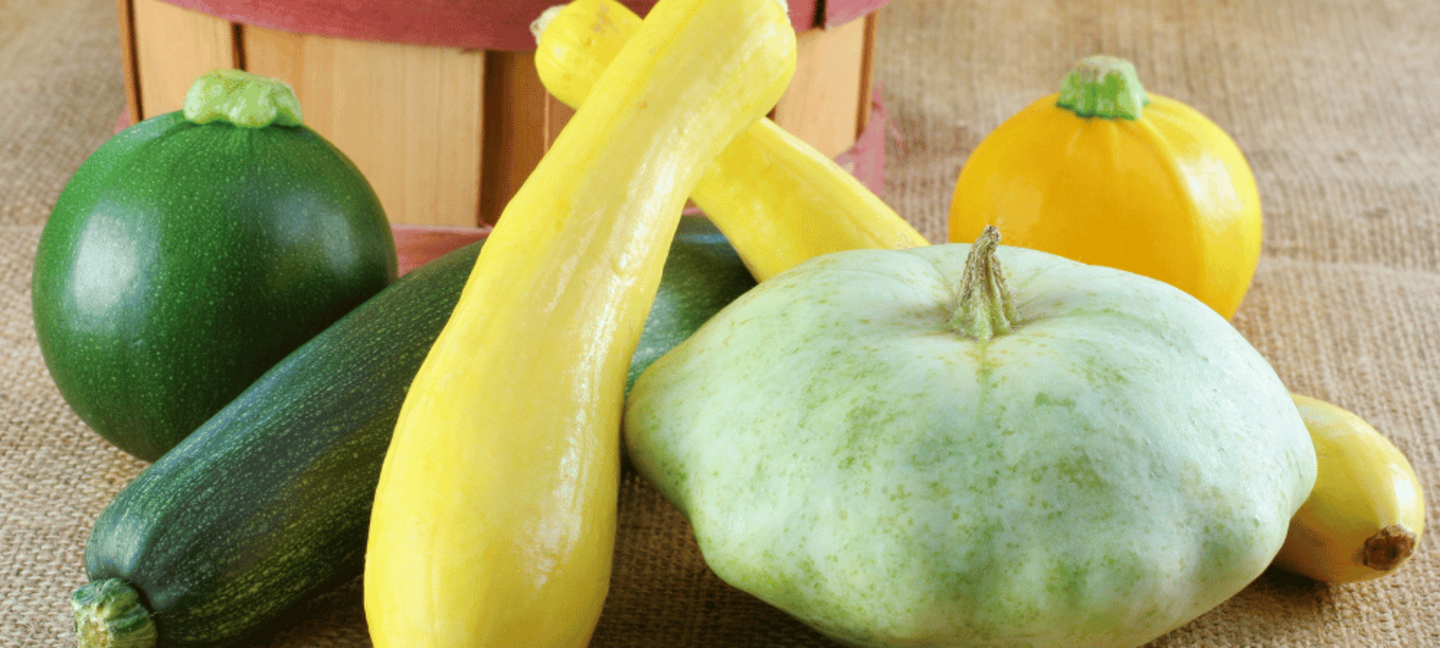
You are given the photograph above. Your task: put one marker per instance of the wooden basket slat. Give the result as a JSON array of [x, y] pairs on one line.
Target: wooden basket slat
[[867, 73], [517, 128], [173, 46], [127, 60], [824, 102], [446, 136], [409, 117]]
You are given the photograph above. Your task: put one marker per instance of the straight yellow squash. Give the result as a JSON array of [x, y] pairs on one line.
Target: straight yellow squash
[[1366, 514], [777, 199], [494, 519]]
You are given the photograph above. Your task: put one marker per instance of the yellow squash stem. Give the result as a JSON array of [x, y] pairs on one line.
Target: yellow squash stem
[[777, 199], [494, 519]]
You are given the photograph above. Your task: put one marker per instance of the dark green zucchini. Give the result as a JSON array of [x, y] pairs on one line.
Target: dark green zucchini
[[184, 259], [267, 504]]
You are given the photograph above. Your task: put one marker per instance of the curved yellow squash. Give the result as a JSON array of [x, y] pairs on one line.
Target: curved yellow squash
[[1105, 174], [777, 199], [494, 519], [1366, 514]]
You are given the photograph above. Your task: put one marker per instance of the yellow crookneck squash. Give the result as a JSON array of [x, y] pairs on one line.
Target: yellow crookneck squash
[[1105, 174], [494, 518], [777, 199]]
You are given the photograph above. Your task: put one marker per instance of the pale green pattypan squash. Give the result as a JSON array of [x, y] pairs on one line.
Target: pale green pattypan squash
[[902, 449]]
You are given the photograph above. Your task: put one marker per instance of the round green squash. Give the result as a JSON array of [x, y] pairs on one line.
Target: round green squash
[[914, 448], [193, 251]]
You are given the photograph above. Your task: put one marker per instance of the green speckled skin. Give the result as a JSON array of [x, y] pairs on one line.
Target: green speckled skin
[[1118, 464], [702, 274], [181, 261], [268, 503]]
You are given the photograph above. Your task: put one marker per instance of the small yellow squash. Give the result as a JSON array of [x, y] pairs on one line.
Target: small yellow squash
[[777, 199], [1105, 174], [1366, 514], [494, 519]]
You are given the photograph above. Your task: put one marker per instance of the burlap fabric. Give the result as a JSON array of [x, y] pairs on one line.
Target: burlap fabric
[[1335, 102]]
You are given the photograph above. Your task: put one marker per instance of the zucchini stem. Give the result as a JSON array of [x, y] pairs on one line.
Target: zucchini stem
[[109, 614], [987, 308], [243, 99], [1103, 86]]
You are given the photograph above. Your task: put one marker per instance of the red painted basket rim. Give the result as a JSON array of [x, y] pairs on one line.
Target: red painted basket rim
[[467, 24]]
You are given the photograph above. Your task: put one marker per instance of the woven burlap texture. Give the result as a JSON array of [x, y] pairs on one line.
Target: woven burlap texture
[[1335, 103]]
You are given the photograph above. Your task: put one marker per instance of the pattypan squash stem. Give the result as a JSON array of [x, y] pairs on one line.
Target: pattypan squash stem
[[1103, 86], [987, 308], [243, 99]]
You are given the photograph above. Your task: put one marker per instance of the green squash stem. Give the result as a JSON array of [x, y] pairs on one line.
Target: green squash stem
[[243, 99], [987, 308], [1103, 86], [109, 614]]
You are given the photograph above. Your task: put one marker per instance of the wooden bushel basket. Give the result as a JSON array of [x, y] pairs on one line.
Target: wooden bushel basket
[[438, 101]]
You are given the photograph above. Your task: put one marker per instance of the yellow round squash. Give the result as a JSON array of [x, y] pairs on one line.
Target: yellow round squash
[[1105, 174]]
